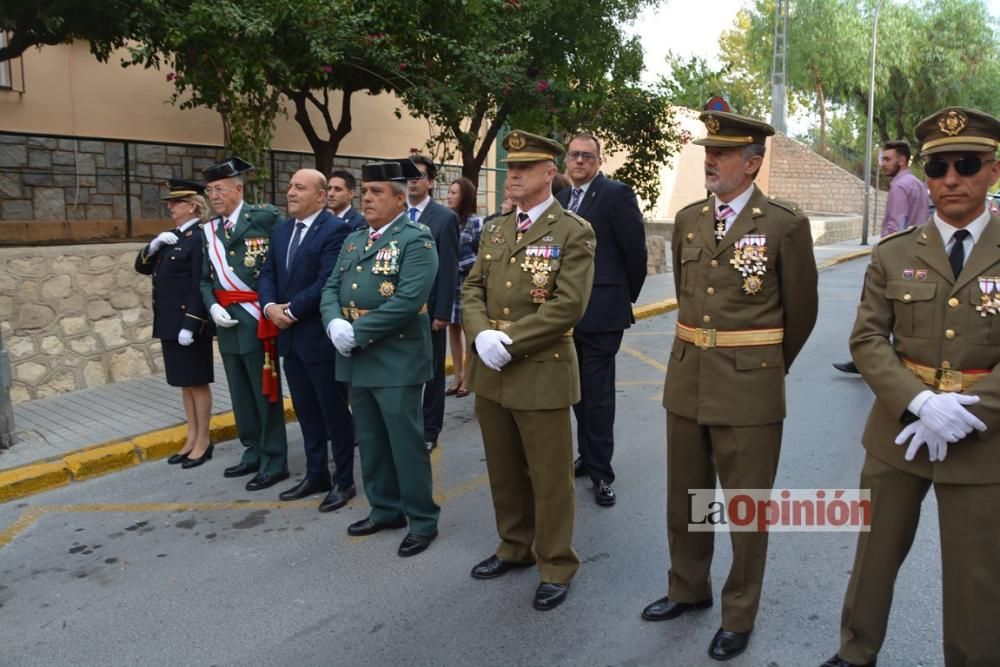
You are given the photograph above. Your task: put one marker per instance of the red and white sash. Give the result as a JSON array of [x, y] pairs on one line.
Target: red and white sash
[[227, 277]]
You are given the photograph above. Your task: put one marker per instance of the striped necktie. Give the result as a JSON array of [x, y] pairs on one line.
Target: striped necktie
[[574, 203], [523, 222]]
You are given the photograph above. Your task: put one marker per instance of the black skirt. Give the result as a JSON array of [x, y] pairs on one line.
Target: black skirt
[[190, 366]]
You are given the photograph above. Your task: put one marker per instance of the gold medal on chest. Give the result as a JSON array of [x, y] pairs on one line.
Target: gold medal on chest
[[386, 289], [750, 259], [249, 261]]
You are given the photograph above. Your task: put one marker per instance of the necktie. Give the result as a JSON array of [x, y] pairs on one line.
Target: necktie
[[721, 215], [523, 222], [574, 203], [957, 255], [414, 212], [229, 224], [296, 239], [373, 237]]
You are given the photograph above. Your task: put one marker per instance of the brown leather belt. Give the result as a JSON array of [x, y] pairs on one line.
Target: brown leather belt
[[351, 314], [503, 325], [709, 338], [945, 379]]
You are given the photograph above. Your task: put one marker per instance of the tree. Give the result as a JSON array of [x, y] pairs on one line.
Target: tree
[[35, 24], [530, 65]]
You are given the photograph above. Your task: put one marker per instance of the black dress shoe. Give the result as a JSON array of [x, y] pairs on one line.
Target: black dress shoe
[[413, 544], [369, 527], [260, 482], [665, 609], [847, 367], [726, 644], [240, 470], [494, 567], [337, 498], [579, 469], [549, 596], [194, 463], [837, 661], [306, 487], [604, 494], [177, 458]]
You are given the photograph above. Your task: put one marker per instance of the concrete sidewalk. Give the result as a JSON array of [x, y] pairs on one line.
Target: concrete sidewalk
[[94, 431]]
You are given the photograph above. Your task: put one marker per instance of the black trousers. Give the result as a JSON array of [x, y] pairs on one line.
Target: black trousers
[[434, 390], [595, 412], [322, 408]]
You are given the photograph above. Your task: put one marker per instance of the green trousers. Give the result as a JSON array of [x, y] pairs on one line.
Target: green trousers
[[395, 463], [259, 423]]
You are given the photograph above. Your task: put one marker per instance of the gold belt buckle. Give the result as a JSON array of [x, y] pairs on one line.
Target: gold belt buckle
[[704, 338], [948, 380]]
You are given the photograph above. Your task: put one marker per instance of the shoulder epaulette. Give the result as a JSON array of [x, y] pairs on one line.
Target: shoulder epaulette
[[901, 232], [417, 225], [583, 221], [789, 206], [695, 203]]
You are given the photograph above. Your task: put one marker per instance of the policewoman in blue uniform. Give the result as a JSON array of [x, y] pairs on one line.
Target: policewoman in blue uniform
[[374, 309], [180, 321], [237, 243]]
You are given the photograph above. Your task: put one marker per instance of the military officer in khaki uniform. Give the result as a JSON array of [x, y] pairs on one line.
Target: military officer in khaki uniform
[[374, 309], [927, 341], [529, 286], [746, 280]]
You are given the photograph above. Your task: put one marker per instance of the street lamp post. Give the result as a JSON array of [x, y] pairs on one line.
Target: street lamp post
[[868, 132]]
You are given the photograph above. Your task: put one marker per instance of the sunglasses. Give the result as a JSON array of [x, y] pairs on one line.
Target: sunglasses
[[966, 166]]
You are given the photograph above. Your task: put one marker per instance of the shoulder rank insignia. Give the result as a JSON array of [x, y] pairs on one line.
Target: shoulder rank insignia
[[428, 245]]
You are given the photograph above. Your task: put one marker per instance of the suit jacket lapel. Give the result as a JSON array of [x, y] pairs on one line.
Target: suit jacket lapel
[[307, 238], [930, 249], [588, 198], [241, 225], [984, 254]]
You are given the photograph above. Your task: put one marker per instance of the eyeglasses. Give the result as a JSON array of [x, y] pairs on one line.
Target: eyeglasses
[[581, 155], [216, 190], [965, 166]]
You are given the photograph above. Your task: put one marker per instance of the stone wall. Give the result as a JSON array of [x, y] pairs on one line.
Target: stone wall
[[801, 175], [74, 317]]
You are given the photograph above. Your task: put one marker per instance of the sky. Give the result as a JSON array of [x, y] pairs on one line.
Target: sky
[[692, 27]]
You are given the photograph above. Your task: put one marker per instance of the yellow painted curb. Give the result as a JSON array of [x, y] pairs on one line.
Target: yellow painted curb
[[32, 479], [856, 254], [101, 460], [655, 308], [160, 444]]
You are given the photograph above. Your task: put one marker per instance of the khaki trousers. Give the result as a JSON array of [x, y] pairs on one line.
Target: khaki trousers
[[970, 564], [744, 457], [529, 457]]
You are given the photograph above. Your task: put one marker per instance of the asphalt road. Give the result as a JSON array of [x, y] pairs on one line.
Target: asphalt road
[[160, 566]]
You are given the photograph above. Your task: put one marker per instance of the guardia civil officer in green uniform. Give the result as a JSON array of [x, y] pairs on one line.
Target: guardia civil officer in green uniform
[[236, 246], [746, 281], [529, 286], [927, 341], [374, 308]]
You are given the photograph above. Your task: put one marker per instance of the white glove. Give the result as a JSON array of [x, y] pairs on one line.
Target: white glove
[[162, 239], [490, 348], [341, 334], [221, 317], [185, 337], [944, 414], [937, 446]]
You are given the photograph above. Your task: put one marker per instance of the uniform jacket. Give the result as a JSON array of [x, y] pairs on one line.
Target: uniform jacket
[[543, 373], [443, 224], [300, 284], [742, 386], [176, 271], [394, 343], [913, 307], [355, 219], [251, 233], [620, 263]]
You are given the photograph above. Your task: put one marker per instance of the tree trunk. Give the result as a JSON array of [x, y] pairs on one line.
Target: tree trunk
[[324, 149], [821, 99]]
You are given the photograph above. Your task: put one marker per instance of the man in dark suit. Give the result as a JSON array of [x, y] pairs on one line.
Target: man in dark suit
[[340, 193], [304, 249], [443, 223], [619, 272]]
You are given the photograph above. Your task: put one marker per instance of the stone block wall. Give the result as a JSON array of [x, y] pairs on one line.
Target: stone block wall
[[75, 317], [801, 175]]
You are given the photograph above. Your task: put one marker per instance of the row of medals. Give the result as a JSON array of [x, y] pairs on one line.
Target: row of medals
[[540, 261], [989, 300], [255, 248], [750, 259], [386, 264]]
